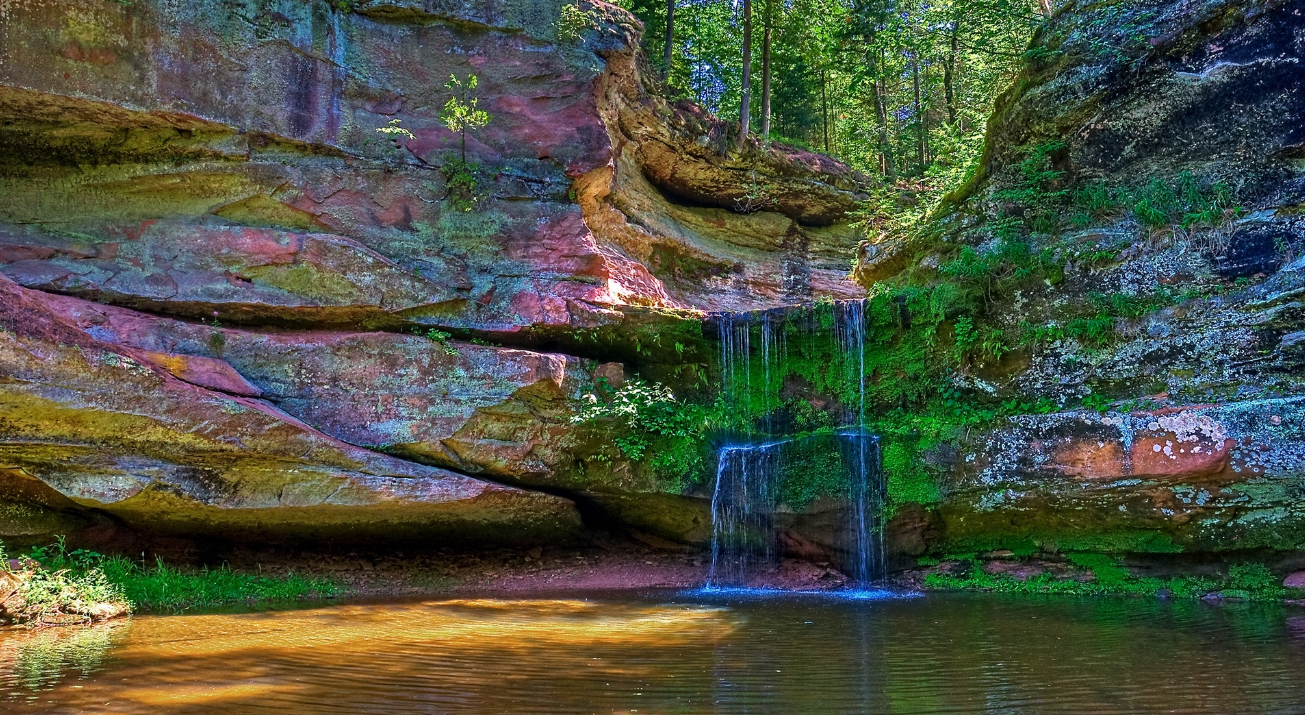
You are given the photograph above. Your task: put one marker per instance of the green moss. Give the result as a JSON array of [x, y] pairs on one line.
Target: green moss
[[475, 226], [908, 479], [263, 210], [670, 262], [1104, 575], [1032, 537], [307, 281], [813, 468]]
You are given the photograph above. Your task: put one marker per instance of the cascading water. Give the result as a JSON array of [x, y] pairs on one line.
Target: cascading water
[[742, 512], [867, 487], [751, 467], [743, 498], [866, 492]]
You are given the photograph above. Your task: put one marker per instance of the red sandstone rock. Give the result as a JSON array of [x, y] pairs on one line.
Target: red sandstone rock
[[287, 144], [201, 371], [478, 409], [1296, 579], [127, 438]]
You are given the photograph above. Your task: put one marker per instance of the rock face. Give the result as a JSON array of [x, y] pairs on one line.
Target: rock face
[[1145, 92], [1197, 479], [233, 308], [125, 437], [1179, 329], [179, 122]]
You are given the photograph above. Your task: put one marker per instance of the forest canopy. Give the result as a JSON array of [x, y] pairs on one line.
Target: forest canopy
[[898, 88]]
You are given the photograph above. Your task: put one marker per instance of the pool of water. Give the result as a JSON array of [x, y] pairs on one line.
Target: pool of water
[[675, 653]]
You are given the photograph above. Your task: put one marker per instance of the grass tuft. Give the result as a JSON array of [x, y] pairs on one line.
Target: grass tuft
[[55, 585]]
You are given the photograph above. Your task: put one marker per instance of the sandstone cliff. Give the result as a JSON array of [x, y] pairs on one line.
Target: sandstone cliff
[[232, 308]]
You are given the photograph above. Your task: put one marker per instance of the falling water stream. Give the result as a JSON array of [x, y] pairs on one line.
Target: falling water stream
[[751, 462]]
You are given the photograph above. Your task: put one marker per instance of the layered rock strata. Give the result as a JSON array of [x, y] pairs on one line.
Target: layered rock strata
[[236, 309]]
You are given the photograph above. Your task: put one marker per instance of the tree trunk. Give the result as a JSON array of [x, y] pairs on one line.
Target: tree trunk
[[949, 70], [924, 121], [765, 73], [745, 101], [919, 111], [670, 40], [878, 88], [824, 107]]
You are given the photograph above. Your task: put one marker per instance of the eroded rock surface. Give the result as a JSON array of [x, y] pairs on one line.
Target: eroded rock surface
[[257, 314], [122, 436]]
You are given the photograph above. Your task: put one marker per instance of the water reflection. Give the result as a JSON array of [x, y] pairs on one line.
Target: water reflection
[[940, 654], [36, 660]]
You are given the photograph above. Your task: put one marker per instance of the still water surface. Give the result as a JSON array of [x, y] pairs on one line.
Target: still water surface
[[672, 653]]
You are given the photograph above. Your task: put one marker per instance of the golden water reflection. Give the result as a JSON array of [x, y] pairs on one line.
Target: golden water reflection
[[655, 655]]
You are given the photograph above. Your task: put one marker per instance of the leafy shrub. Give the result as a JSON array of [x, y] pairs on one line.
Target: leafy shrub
[[64, 586], [571, 22], [642, 411]]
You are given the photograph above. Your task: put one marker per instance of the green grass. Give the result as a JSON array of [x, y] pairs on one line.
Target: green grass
[[1249, 581], [71, 582], [163, 587]]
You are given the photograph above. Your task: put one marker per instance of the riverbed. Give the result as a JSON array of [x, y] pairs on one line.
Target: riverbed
[[675, 652]]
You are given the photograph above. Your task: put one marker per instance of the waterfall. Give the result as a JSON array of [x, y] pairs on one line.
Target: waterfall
[[750, 467], [867, 486], [866, 497], [742, 511]]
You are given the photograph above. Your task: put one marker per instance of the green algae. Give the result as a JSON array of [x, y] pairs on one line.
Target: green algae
[[264, 211]]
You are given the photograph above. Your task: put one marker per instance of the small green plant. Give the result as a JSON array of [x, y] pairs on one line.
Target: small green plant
[[571, 22], [464, 182], [755, 197], [439, 336], [1096, 402], [62, 586], [396, 131], [1035, 195], [1255, 581], [462, 112], [966, 335]]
